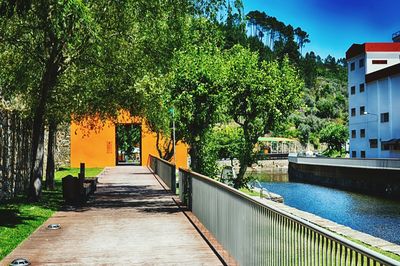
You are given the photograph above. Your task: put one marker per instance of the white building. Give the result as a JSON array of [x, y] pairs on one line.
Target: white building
[[374, 100]]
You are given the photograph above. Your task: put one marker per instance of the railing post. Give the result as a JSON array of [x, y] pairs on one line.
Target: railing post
[[155, 165], [173, 179], [189, 191], [82, 171]]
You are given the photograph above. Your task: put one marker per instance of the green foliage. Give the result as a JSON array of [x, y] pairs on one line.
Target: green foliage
[[227, 141], [335, 135], [260, 98], [325, 93], [223, 141], [196, 84], [128, 137], [49, 33]]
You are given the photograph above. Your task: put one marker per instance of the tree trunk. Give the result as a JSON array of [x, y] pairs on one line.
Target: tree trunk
[[35, 185], [51, 147], [194, 158], [48, 82], [245, 160]]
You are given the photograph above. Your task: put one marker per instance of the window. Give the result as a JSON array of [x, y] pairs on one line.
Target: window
[[384, 117], [379, 62], [361, 63], [390, 147], [362, 133], [385, 147], [353, 111], [353, 134], [373, 143], [362, 110], [362, 87], [362, 154], [352, 66], [353, 90], [353, 154]]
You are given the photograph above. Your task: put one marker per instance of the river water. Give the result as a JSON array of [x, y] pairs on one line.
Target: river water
[[375, 216]]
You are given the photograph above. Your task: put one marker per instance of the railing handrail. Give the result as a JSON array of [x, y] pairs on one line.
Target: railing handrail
[[368, 163], [169, 177], [333, 236], [162, 160]]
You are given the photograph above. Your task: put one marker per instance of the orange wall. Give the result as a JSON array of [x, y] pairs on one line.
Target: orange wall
[[95, 146]]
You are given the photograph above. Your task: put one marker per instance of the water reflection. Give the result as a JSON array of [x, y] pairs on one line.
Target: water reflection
[[274, 175], [376, 216]]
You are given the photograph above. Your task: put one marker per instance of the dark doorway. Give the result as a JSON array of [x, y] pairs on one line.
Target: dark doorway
[[129, 147]]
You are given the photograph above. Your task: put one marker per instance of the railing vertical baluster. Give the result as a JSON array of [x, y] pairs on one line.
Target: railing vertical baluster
[[307, 255], [293, 242], [287, 241], [280, 240], [351, 257], [273, 238], [304, 253], [296, 243], [269, 241], [356, 258]]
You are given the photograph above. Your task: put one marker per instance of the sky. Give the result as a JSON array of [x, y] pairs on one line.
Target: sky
[[334, 25]]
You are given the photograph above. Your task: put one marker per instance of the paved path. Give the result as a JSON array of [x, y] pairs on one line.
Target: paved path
[[132, 221]]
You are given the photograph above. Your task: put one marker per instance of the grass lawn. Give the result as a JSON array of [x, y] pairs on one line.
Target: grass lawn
[[19, 219], [249, 192]]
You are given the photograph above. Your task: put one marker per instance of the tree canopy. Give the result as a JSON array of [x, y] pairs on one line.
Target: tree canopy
[[205, 60]]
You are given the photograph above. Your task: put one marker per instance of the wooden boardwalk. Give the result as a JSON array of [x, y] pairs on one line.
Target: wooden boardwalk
[[131, 221]]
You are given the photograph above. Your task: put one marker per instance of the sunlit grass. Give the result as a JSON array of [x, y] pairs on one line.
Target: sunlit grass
[[89, 172], [18, 219], [250, 192]]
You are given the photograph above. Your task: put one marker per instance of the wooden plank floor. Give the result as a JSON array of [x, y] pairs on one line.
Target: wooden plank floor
[[131, 221]]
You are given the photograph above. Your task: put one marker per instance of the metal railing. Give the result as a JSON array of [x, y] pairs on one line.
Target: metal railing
[[258, 234], [165, 170], [347, 162]]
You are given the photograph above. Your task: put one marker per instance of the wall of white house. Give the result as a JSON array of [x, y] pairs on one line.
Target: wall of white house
[[355, 78], [392, 58], [380, 96]]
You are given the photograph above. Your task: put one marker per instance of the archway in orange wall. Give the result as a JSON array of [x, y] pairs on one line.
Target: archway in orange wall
[[128, 144], [94, 142]]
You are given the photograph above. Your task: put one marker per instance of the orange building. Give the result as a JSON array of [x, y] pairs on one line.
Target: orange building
[[95, 143]]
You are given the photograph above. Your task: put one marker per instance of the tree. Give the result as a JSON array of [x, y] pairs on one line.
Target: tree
[[259, 99], [196, 84], [227, 141], [45, 38], [309, 67], [335, 135], [234, 28], [302, 37], [84, 57]]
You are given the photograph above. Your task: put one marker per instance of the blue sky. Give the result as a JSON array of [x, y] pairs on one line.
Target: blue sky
[[334, 25]]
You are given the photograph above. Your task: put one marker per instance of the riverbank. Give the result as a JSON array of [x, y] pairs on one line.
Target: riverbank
[[382, 246], [260, 166], [379, 177]]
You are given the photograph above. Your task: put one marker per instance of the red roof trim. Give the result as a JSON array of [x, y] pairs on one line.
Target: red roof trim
[[357, 49], [383, 73], [354, 50]]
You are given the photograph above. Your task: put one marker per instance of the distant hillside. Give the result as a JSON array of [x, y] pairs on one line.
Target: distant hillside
[[323, 117]]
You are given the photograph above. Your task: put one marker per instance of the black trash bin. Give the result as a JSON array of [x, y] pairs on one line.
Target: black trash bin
[[71, 189]]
